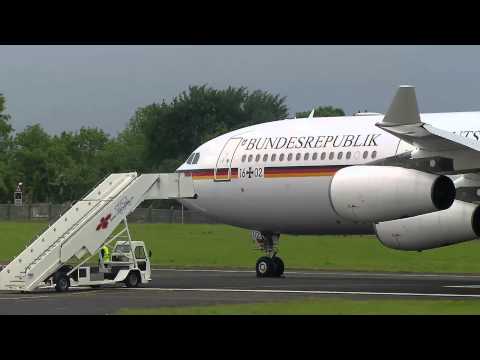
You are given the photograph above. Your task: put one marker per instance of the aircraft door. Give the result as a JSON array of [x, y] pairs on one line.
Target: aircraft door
[[223, 169]]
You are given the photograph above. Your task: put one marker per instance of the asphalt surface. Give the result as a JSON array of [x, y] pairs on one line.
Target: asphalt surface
[[207, 287]]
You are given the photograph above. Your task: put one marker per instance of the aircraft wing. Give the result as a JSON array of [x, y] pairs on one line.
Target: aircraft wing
[[427, 137], [403, 121]]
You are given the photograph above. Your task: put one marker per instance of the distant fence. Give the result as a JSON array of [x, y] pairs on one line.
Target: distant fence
[[51, 212]]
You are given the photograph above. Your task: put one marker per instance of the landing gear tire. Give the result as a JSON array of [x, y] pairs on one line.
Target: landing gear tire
[[265, 267], [279, 266], [132, 279], [63, 283]]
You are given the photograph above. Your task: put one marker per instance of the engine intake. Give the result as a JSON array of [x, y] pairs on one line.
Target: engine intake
[[459, 223], [443, 192], [381, 193]]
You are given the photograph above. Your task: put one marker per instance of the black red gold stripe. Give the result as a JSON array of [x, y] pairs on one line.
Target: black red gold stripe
[[300, 171], [269, 172], [209, 174], [222, 174]]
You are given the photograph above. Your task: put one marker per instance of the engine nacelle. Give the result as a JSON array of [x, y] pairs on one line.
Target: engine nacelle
[[382, 193], [459, 223]]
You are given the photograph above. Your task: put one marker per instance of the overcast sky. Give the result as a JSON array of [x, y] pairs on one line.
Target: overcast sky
[[66, 87]]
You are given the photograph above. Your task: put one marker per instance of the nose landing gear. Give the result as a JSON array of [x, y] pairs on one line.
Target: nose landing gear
[[270, 265]]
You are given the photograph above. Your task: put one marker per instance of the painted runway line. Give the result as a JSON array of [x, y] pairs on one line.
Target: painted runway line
[[334, 273], [310, 292], [205, 270], [51, 295]]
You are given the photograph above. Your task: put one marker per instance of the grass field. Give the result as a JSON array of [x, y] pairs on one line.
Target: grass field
[[330, 306], [222, 246]]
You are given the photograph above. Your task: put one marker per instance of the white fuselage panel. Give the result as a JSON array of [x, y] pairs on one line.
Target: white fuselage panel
[[276, 176]]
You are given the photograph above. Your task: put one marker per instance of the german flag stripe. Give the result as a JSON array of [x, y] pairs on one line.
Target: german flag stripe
[[208, 174], [300, 171], [269, 172]]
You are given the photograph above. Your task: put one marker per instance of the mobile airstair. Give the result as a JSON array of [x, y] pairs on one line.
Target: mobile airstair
[[86, 226]]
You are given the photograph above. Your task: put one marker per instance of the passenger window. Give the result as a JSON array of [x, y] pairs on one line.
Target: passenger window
[[289, 157], [324, 155], [244, 157], [257, 158], [306, 156], [340, 155], [314, 156], [274, 156], [281, 157], [332, 154], [374, 154], [250, 157], [349, 154], [190, 158], [265, 157], [195, 159], [298, 156], [139, 252], [365, 154]]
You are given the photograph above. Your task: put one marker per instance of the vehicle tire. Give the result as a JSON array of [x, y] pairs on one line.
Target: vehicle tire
[[264, 267], [132, 279], [279, 266], [63, 283], [63, 270], [94, 286]]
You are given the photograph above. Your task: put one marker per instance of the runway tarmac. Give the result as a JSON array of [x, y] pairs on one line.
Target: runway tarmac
[[177, 287]]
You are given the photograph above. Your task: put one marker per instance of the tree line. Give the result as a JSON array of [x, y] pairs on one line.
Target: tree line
[[158, 138]]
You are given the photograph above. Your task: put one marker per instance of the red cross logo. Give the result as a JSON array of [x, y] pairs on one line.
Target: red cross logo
[[104, 222]]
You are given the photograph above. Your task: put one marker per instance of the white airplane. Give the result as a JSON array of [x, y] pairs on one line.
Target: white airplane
[[407, 177]]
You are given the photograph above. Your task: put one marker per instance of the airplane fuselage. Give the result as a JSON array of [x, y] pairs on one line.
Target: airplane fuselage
[[275, 177]]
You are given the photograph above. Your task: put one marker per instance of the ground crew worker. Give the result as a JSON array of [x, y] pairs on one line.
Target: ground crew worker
[[105, 253]]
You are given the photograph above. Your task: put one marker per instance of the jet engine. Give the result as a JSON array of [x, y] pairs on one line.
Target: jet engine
[[459, 223], [381, 193]]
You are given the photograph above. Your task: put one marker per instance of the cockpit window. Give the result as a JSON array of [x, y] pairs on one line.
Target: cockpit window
[[195, 159], [190, 158]]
